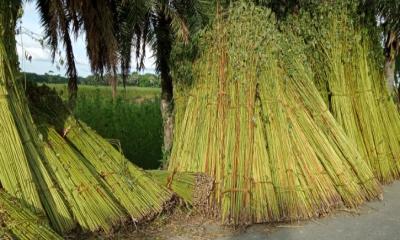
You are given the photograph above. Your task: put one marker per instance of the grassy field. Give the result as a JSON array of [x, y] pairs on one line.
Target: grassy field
[[130, 93], [134, 119]]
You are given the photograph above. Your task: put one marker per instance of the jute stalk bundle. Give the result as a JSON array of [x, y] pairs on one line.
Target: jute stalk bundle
[[254, 121], [388, 115], [15, 174], [193, 188], [357, 101], [20, 223], [47, 173], [131, 186], [94, 209], [91, 204], [22, 171], [50, 194]]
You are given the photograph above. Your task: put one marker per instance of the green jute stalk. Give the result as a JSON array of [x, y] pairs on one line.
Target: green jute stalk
[[131, 186], [193, 188], [28, 164], [91, 204], [254, 121], [50, 197], [52, 169], [50, 194], [21, 223], [389, 114], [352, 78], [15, 174]]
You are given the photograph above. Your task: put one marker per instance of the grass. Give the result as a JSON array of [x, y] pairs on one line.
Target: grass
[[134, 119]]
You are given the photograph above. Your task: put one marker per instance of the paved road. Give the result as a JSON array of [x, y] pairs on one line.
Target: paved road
[[378, 220]]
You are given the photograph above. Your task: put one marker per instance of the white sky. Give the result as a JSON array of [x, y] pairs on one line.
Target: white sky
[[41, 58]]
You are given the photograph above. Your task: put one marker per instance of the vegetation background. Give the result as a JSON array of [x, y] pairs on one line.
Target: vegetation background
[[134, 79], [134, 118]]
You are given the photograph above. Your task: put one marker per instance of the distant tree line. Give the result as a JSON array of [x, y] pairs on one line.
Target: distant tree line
[[134, 79]]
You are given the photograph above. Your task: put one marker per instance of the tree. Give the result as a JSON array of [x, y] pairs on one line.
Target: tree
[[9, 10], [95, 19], [57, 22], [164, 22], [111, 28], [389, 12]]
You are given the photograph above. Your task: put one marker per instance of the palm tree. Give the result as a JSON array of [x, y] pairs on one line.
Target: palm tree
[[112, 29], [164, 22], [9, 10], [60, 18], [56, 23]]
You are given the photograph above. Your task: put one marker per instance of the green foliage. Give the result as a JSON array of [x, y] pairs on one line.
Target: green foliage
[[134, 119], [389, 11], [184, 54], [281, 8], [134, 79], [138, 126], [182, 58], [130, 94], [45, 78]]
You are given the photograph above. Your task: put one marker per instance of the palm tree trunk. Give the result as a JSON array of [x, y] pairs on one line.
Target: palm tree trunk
[[389, 74], [114, 83], [391, 50], [164, 46], [167, 112], [398, 96], [71, 71]]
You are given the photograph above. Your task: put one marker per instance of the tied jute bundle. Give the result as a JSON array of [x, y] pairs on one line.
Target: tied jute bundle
[[254, 121], [63, 183], [194, 188], [142, 197], [344, 63], [18, 222]]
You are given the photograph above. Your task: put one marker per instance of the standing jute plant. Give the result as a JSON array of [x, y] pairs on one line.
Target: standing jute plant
[[255, 122]]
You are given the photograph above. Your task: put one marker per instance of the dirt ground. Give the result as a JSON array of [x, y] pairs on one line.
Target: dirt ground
[[374, 220]]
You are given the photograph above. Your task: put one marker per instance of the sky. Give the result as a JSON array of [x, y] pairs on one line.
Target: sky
[[41, 57]]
